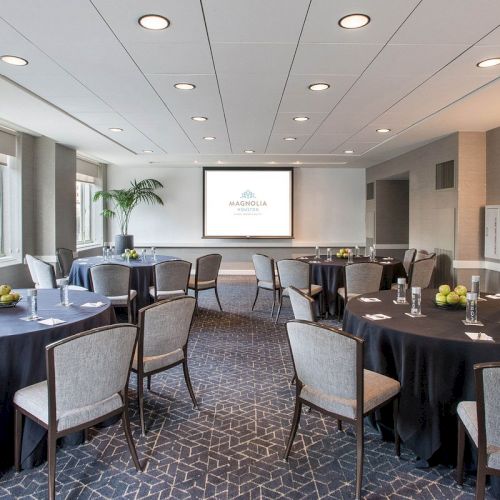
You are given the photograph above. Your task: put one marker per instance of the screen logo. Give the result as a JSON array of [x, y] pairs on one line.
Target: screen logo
[[248, 204]]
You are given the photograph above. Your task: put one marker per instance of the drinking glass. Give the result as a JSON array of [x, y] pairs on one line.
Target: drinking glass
[[33, 304], [349, 256], [372, 254], [64, 293], [127, 254], [328, 254], [475, 285], [471, 308], [356, 251], [317, 253], [401, 297], [153, 253], [105, 252], [143, 255], [416, 301]]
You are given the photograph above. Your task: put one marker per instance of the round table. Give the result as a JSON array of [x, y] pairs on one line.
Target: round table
[[433, 360], [142, 273], [22, 358], [330, 275]]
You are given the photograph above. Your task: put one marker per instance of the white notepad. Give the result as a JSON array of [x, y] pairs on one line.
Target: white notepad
[[93, 304], [479, 336], [376, 317], [51, 321], [369, 299]]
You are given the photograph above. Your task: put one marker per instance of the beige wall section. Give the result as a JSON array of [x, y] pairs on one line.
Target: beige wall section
[[65, 207], [471, 185], [431, 212], [493, 167]]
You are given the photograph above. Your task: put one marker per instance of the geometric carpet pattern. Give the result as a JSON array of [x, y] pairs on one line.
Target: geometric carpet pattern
[[232, 447]]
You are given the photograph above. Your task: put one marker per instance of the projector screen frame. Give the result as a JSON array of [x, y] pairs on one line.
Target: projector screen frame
[[251, 237]]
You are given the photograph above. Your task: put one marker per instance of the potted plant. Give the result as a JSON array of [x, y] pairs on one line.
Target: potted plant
[[123, 202]]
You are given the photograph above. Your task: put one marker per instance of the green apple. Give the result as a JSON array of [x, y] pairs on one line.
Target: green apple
[[444, 289], [5, 289], [338, 254], [461, 290], [440, 298], [7, 298], [452, 298], [463, 300], [15, 295]]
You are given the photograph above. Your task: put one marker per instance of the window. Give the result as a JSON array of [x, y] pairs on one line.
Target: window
[[85, 230]]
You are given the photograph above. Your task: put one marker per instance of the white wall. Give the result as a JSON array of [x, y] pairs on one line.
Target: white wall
[[329, 208]]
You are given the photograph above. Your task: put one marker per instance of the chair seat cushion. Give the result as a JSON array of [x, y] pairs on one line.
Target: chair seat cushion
[[341, 292], [378, 389], [315, 289], [121, 300], [268, 285], [166, 294], [202, 285], [34, 399], [153, 363]]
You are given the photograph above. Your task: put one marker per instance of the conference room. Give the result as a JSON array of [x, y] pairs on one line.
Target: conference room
[[250, 249]]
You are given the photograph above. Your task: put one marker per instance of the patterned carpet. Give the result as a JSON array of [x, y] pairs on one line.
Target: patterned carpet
[[232, 447]]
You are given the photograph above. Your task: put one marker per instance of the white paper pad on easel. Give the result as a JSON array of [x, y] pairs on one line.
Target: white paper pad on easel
[[478, 336], [93, 304], [51, 321], [369, 299], [376, 317]]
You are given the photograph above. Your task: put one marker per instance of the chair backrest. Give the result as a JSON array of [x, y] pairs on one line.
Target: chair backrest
[[172, 275], [264, 267], [487, 377], [110, 280], [302, 304], [363, 277], [164, 326], [423, 254], [89, 367], [327, 359], [45, 274], [408, 259], [30, 260], [64, 260], [421, 272], [294, 273], [207, 267]]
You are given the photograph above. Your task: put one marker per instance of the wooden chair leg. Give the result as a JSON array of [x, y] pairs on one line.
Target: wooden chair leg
[[279, 309], [395, 416], [188, 383], [140, 400], [196, 298], [481, 475], [293, 430], [130, 441], [256, 295], [339, 425], [18, 434], [360, 456], [86, 435], [51, 458], [460, 452], [149, 382], [217, 297], [292, 382], [274, 302]]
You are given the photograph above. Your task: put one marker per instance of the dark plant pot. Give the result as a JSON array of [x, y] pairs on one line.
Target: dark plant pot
[[123, 241]]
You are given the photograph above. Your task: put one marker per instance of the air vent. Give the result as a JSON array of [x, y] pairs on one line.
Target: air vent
[[370, 191], [445, 175]]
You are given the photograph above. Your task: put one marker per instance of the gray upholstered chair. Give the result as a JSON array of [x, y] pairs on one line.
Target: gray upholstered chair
[[296, 273], [423, 254], [30, 261], [360, 278], [302, 304], [87, 383], [170, 279], [206, 275], [421, 272], [408, 260], [64, 261], [163, 338], [114, 282], [481, 420], [46, 276], [330, 378], [265, 276]]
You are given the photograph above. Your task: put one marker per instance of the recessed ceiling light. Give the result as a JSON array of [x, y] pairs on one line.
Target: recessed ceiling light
[[289, 138], [353, 21], [249, 151], [14, 60], [383, 130], [301, 118], [272, 162], [319, 86], [488, 63], [209, 138], [297, 163], [219, 162], [185, 86], [348, 151], [147, 150], [154, 22], [116, 129], [196, 161], [199, 118]]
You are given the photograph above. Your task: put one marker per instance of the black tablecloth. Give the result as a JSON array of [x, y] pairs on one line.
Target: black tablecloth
[[330, 275], [142, 273], [22, 359], [433, 360]]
